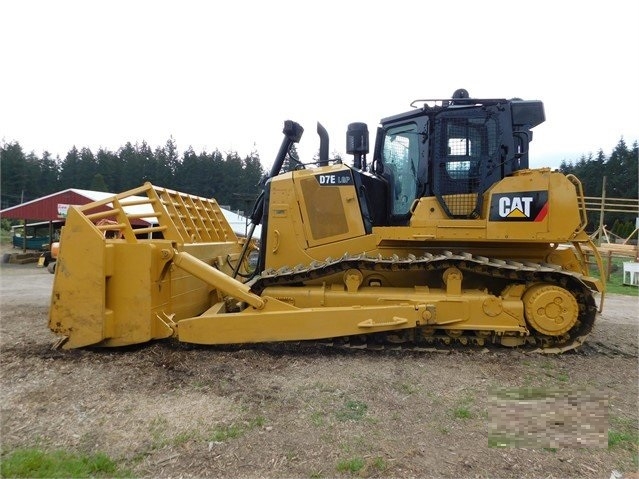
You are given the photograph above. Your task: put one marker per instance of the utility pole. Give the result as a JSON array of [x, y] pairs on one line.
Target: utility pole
[[601, 212]]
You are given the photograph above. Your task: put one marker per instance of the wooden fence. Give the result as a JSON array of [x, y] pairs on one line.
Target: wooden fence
[[604, 205]]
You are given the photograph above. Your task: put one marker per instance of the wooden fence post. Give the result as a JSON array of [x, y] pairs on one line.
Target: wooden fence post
[[609, 268], [601, 212]]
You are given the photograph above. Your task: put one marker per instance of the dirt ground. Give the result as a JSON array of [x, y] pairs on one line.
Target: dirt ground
[[170, 410]]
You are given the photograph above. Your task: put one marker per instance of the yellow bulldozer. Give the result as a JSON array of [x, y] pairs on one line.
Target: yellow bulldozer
[[445, 238]]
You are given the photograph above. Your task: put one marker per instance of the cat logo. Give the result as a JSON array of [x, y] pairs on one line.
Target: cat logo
[[525, 206], [517, 207]]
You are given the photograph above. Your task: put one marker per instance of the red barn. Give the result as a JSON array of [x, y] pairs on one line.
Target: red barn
[[43, 217]]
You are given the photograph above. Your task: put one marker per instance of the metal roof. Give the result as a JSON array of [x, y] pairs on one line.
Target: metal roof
[[46, 209]]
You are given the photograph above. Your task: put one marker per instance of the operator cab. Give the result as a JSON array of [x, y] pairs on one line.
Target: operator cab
[[453, 150]]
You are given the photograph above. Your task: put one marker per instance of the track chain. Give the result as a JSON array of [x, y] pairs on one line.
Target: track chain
[[510, 271]]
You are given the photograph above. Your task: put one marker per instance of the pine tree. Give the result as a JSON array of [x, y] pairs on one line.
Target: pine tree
[[49, 172], [166, 164], [110, 167], [69, 170], [87, 169], [98, 184], [13, 174], [135, 165]]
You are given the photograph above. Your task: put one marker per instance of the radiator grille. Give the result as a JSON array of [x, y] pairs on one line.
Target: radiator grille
[[325, 210]]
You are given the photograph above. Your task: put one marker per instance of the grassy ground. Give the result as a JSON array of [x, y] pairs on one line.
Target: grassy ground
[[32, 463], [5, 237], [614, 284]]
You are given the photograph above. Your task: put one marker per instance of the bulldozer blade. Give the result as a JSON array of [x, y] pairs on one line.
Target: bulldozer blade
[[116, 283]]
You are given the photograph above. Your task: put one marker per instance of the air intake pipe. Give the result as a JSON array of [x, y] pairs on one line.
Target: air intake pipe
[[323, 152], [292, 134]]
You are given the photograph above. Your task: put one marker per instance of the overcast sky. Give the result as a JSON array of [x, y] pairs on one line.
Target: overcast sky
[[226, 75]]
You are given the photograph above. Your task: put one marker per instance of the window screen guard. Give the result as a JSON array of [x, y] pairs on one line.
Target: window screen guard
[[464, 146]]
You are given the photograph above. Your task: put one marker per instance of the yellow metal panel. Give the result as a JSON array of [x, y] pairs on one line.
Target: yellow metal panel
[[128, 294], [329, 213], [564, 219], [323, 212], [284, 217], [281, 322], [345, 314], [528, 229], [77, 300], [561, 220], [303, 228]]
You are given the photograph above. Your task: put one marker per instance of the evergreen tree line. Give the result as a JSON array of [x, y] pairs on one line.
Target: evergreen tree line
[[621, 170], [231, 180]]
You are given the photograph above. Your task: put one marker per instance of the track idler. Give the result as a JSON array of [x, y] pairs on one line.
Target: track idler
[[550, 309]]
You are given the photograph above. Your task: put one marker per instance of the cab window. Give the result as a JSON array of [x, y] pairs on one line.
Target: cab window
[[400, 157]]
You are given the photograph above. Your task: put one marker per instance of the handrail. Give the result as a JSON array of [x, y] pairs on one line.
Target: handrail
[[582, 202]]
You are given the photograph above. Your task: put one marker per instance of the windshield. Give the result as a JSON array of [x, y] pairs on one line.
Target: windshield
[[400, 157]]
